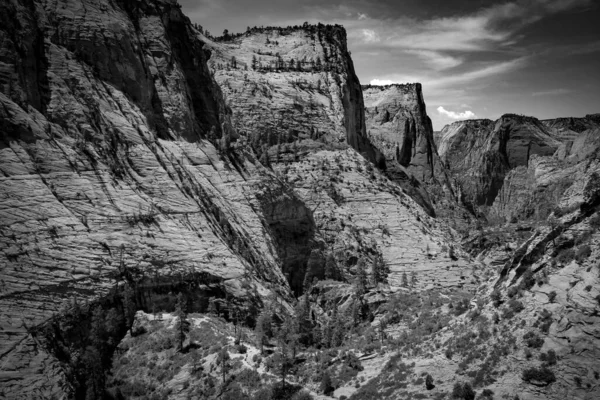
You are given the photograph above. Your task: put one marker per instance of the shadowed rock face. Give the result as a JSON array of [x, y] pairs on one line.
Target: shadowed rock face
[[480, 153]]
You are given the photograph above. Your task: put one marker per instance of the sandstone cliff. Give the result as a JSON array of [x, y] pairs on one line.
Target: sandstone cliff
[[127, 177], [398, 125], [480, 153]]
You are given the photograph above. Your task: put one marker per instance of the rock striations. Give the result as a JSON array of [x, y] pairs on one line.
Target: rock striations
[[479, 153], [126, 164], [398, 125]]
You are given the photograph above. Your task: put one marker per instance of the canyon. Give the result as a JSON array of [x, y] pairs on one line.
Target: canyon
[[144, 162]]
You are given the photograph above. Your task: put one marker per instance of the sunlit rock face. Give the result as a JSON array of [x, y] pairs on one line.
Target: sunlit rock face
[[398, 125], [128, 156]]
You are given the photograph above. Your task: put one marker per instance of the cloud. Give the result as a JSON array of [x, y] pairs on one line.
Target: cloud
[[433, 81], [554, 92], [370, 35], [437, 60], [454, 115], [362, 16], [381, 82]]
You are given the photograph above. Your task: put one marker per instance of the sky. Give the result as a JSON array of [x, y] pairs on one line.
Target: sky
[[474, 58]]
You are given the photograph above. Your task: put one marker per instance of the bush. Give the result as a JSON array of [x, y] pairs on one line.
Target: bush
[[326, 384], [533, 340], [527, 281], [542, 374], [549, 358], [429, 382], [551, 296], [463, 391], [487, 394], [516, 306], [496, 298], [583, 252], [566, 256]]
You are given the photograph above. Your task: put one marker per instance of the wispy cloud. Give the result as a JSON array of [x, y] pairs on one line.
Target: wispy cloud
[[456, 115], [437, 60], [437, 81], [554, 92]]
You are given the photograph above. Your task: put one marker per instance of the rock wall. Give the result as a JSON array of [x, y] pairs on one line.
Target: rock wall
[[480, 153], [105, 169], [293, 89], [120, 163], [398, 125]]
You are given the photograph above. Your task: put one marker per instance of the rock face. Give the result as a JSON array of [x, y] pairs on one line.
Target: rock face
[[293, 89], [398, 125], [106, 172], [480, 153], [124, 165], [296, 101]]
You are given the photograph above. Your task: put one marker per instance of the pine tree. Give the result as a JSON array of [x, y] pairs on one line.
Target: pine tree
[[97, 329], [361, 278], [380, 270], [181, 322], [223, 362], [263, 328], [129, 305], [413, 279], [382, 328], [404, 279]]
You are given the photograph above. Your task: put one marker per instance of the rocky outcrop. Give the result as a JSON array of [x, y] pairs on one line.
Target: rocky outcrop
[[480, 153], [398, 125], [566, 129], [293, 89]]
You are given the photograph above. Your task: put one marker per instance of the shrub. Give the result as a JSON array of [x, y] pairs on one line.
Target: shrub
[[549, 358], [241, 349], [463, 391], [326, 384], [533, 340], [527, 281], [583, 252], [429, 382], [487, 394], [566, 256], [551, 296], [512, 291], [496, 298], [542, 374], [516, 306]]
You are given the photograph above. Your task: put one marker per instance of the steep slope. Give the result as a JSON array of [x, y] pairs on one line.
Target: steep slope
[[532, 329], [398, 125], [480, 153], [297, 103], [127, 178], [106, 179], [293, 86]]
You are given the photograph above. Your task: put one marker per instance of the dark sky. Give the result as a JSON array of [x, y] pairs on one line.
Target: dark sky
[[475, 58]]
